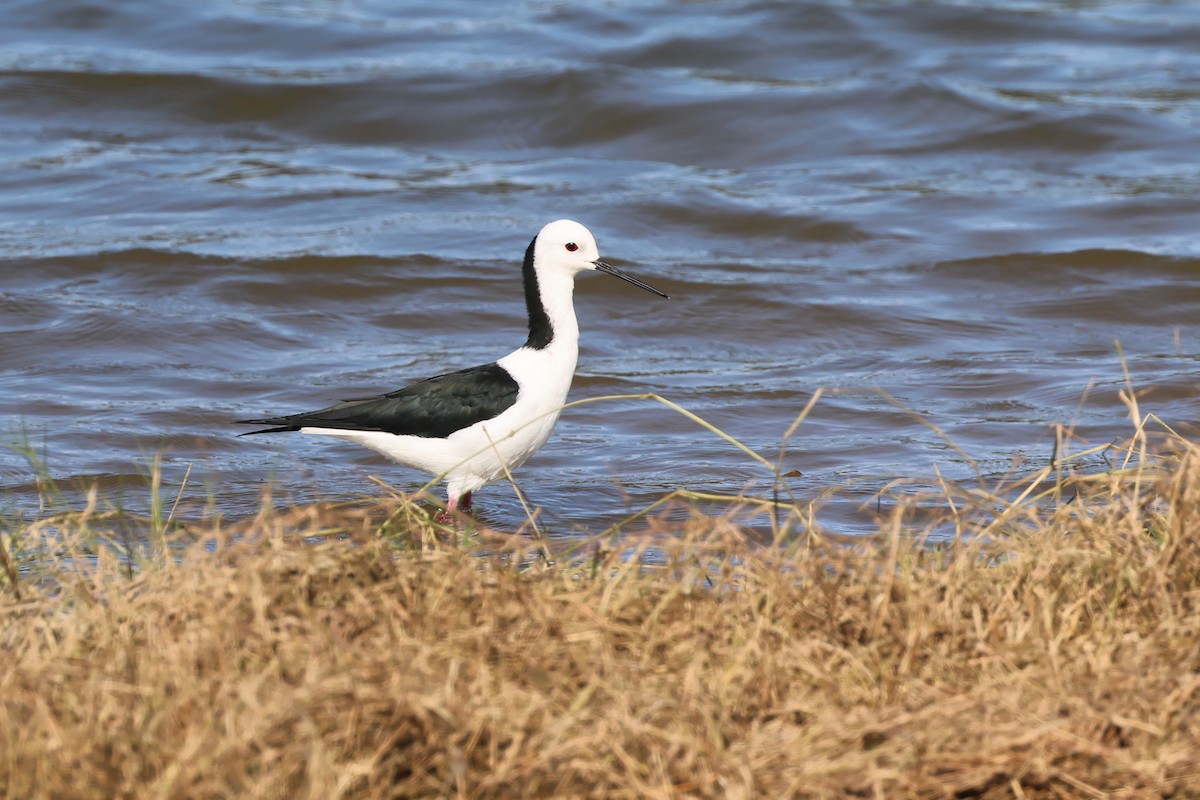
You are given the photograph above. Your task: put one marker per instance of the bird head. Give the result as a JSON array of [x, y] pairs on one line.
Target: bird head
[[566, 246]]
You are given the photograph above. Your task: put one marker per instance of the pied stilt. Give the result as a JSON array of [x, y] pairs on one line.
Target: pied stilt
[[472, 424]]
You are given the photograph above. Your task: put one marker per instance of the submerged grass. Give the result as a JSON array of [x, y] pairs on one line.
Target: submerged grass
[[1051, 648]]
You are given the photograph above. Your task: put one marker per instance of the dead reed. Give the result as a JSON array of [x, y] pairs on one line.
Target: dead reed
[[1051, 650]]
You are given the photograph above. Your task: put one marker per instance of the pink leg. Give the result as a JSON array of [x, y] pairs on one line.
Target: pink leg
[[447, 517], [460, 504]]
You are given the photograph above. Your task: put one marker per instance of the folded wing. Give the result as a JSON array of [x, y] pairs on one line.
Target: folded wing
[[433, 408]]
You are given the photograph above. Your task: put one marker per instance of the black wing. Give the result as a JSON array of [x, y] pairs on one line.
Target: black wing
[[434, 408]]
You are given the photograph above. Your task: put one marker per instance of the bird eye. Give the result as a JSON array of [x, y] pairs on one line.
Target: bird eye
[[572, 247]]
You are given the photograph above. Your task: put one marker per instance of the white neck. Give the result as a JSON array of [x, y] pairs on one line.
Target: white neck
[[545, 373], [557, 292]]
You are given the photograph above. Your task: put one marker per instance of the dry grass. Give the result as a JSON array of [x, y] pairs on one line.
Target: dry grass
[[1056, 656]]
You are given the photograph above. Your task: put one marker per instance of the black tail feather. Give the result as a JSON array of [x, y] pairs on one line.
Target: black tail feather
[[280, 429]]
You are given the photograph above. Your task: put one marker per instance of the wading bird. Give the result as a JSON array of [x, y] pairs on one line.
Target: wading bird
[[470, 425]]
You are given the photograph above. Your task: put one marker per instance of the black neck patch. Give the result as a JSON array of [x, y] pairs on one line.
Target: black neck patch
[[541, 332]]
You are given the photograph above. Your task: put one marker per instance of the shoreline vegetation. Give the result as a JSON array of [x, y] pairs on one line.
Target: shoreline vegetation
[[1049, 646]]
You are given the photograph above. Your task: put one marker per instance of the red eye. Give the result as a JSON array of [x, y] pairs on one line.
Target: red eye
[[572, 247]]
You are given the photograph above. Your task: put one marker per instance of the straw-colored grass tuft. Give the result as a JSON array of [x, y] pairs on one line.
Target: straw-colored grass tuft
[[1056, 656]]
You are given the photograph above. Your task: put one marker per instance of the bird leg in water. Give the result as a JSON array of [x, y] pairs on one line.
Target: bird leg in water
[[460, 504]]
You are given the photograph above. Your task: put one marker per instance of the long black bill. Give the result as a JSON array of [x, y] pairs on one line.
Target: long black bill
[[625, 276]]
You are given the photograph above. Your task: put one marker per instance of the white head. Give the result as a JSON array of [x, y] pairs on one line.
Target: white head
[[566, 247]]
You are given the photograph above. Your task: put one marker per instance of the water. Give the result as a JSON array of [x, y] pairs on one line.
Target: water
[[214, 211]]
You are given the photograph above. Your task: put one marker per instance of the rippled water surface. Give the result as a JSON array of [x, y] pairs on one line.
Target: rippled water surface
[[938, 212]]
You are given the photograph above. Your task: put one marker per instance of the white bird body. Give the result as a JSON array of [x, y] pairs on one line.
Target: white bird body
[[472, 457], [474, 425]]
